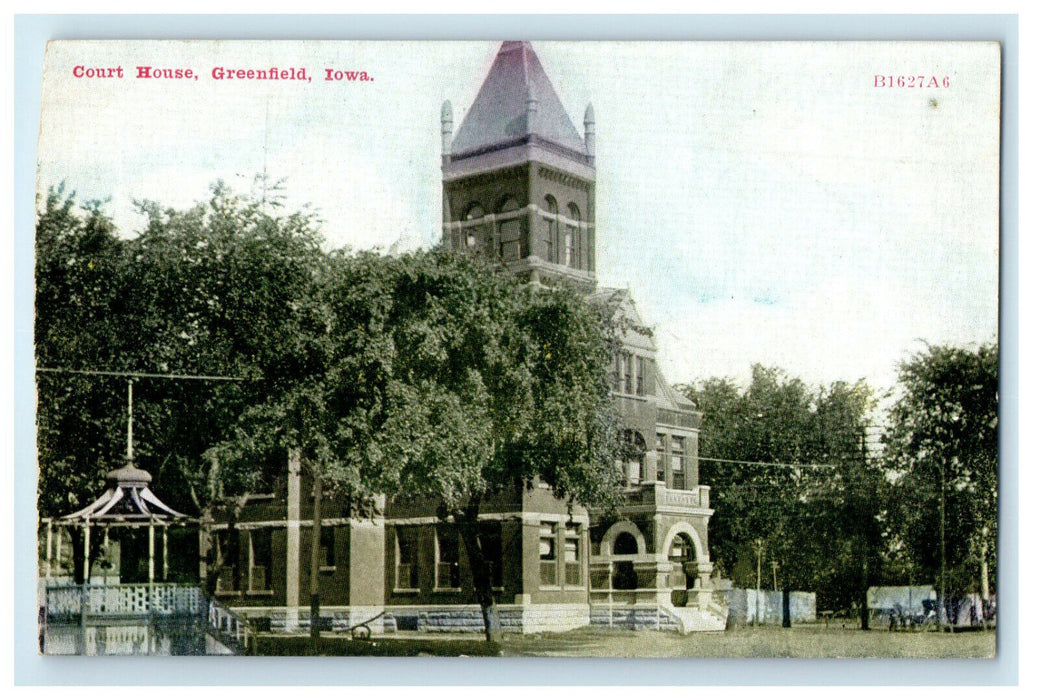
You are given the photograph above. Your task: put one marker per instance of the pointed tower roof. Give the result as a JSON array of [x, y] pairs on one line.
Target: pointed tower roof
[[516, 101]]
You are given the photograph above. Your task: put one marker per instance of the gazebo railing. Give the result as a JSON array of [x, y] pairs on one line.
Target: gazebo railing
[[230, 629], [123, 600], [80, 603]]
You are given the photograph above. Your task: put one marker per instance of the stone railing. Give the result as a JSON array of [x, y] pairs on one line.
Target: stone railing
[[658, 494]]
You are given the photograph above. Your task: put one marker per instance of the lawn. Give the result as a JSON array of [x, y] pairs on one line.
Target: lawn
[[803, 641], [809, 641]]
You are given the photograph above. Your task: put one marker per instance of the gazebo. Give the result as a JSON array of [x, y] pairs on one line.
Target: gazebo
[[128, 502]]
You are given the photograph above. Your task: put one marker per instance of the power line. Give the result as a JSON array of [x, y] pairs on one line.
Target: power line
[[142, 375], [769, 464]]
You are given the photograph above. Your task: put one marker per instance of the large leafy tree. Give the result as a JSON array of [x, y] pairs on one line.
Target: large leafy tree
[[218, 290], [447, 382], [791, 480], [941, 445]]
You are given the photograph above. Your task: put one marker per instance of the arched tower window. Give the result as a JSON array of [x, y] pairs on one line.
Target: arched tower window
[[572, 238], [552, 228], [635, 457], [474, 232], [509, 231]]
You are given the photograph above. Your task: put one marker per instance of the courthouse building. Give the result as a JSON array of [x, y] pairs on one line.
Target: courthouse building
[[519, 186]]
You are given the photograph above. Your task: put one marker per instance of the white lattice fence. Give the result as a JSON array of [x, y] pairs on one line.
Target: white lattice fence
[[124, 600]]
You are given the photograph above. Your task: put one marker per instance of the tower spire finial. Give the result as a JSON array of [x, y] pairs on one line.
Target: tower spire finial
[[447, 126], [590, 132]]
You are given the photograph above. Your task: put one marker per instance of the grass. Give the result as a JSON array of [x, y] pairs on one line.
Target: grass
[[343, 645], [803, 641]]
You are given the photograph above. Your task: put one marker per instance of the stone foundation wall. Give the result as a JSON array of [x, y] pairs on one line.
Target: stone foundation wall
[[526, 619], [633, 617]]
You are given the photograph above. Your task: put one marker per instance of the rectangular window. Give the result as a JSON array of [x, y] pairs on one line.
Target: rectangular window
[[626, 362], [568, 247], [618, 358], [407, 558], [572, 556], [678, 462], [640, 376], [547, 555], [447, 558], [661, 439], [509, 240], [327, 556], [259, 560]]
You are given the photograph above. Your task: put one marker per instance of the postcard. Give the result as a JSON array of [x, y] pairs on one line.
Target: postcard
[[518, 348]]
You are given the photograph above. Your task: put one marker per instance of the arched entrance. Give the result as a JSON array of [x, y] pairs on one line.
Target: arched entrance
[[682, 553], [623, 577]]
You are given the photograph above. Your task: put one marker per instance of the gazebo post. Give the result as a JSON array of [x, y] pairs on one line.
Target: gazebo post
[[151, 551], [165, 550], [57, 546], [86, 553]]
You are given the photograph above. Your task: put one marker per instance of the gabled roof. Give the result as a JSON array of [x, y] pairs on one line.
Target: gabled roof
[[498, 115]]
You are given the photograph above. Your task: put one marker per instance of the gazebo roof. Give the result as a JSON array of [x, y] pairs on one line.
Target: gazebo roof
[[127, 498]]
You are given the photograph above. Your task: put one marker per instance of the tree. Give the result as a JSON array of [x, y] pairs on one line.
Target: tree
[[449, 382], [788, 466], [941, 446], [428, 375], [219, 289]]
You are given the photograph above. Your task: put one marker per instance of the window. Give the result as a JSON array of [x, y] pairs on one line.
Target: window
[[447, 558], [407, 558], [617, 372], [474, 231], [509, 232], [635, 449], [626, 366], [491, 544], [570, 239], [640, 377], [661, 440], [552, 228], [678, 460], [547, 555], [572, 556], [327, 556], [259, 560]]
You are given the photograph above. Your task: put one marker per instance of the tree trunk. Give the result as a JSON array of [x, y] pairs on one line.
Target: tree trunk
[[864, 612], [315, 557], [469, 530]]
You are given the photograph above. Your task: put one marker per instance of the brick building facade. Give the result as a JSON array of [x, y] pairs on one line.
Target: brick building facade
[[519, 186]]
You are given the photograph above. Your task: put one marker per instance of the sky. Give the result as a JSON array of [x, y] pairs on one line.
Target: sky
[[763, 202]]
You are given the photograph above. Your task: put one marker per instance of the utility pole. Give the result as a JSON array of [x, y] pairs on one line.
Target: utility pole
[[315, 554], [942, 544]]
